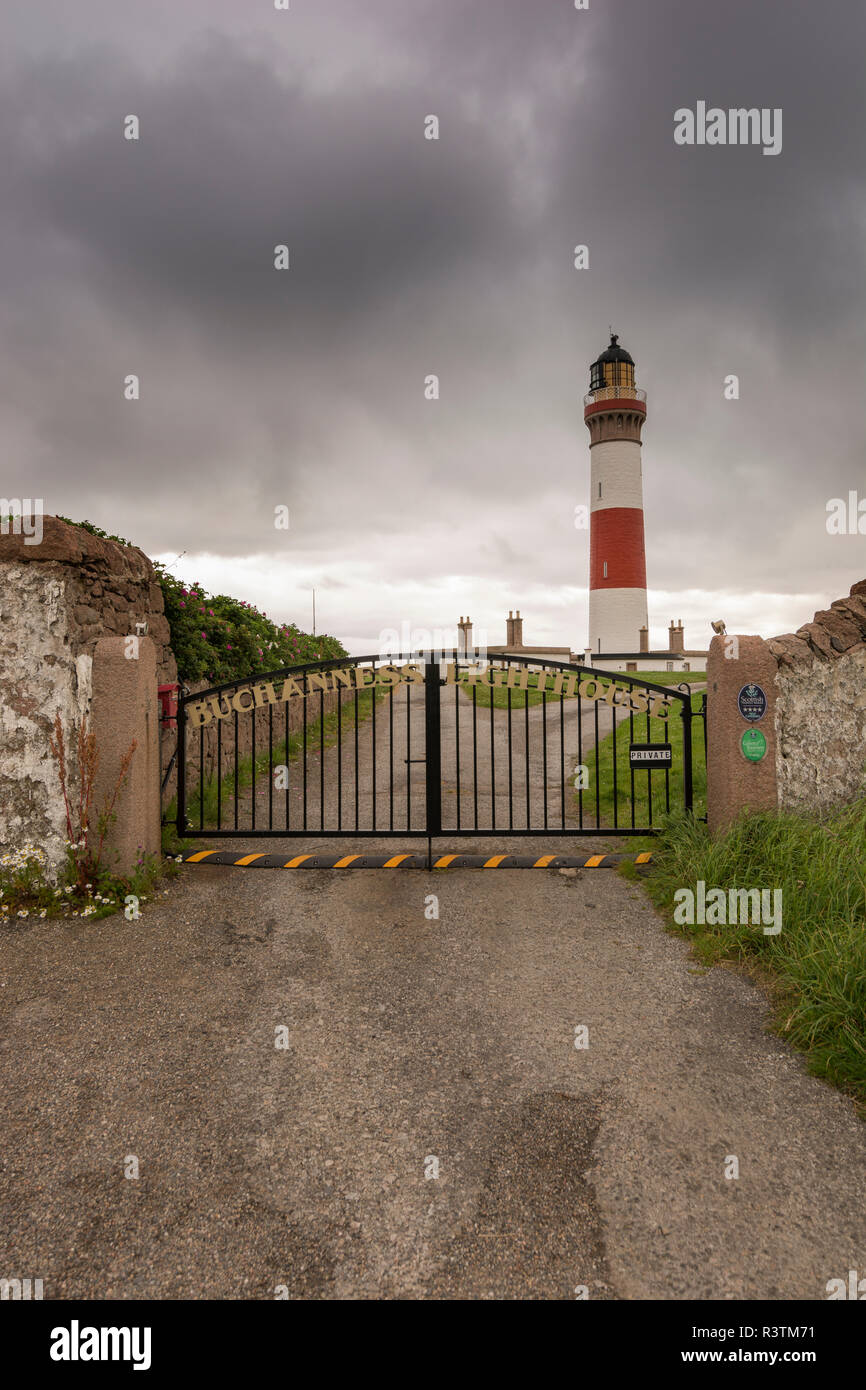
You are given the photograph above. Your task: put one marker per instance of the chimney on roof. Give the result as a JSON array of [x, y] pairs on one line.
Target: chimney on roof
[[464, 635], [514, 630], [675, 636]]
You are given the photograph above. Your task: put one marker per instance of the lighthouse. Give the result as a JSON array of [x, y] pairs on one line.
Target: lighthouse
[[614, 412]]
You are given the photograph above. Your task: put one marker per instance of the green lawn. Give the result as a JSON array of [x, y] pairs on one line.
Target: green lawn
[[646, 784], [668, 677], [815, 967]]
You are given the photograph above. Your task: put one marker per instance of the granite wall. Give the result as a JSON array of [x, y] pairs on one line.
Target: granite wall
[[820, 714]]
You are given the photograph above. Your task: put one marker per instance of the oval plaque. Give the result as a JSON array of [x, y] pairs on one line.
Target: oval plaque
[[752, 702], [754, 745]]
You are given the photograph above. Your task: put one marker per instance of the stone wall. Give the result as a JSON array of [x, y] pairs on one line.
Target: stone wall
[[57, 599], [820, 715]]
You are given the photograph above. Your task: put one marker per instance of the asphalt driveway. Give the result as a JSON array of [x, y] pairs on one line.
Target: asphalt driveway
[[410, 1039]]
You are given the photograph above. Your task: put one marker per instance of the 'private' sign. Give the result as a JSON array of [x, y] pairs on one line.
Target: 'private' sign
[[649, 755]]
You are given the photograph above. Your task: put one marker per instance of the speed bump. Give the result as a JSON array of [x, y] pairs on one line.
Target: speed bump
[[414, 861]]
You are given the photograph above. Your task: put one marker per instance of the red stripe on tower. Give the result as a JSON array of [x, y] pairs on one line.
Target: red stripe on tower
[[616, 549]]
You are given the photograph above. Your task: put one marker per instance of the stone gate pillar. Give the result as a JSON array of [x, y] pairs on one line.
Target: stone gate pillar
[[124, 708], [741, 746]]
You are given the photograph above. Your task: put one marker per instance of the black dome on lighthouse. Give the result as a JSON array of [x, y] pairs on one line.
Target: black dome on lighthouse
[[614, 353]]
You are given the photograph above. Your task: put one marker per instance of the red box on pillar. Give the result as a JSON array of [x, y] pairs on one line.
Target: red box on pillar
[[168, 704]]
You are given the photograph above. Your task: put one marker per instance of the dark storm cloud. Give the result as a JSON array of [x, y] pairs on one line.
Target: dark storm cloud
[[174, 239], [412, 257]]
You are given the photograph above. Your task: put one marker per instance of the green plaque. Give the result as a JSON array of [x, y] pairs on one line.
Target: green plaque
[[754, 745]]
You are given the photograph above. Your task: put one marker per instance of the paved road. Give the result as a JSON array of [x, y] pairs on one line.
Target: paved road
[[409, 1038]]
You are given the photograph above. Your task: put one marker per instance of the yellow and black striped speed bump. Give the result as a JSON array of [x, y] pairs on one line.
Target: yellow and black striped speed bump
[[413, 861]]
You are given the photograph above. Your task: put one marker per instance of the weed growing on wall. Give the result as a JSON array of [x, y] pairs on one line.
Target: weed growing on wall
[[86, 828], [29, 893], [94, 530], [24, 888], [86, 886]]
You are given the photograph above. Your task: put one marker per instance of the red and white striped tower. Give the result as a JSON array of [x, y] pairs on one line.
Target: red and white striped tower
[[614, 412]]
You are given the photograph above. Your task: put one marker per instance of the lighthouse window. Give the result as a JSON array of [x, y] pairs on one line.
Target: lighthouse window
[[599, 489], [605, 569]]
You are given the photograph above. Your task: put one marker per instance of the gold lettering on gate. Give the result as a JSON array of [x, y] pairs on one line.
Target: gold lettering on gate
[[318, 680], [221, 707], [389, 675], [197, 714], [264, 694], [259, 693]]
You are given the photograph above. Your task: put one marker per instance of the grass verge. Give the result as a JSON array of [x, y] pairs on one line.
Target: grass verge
[[815, 968], [668, 677], [648, 786]]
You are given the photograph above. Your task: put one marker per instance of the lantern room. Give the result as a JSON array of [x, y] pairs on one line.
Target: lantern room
[[615, 367]]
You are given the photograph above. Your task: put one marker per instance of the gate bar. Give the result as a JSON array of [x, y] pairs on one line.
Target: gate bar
[[433, 771]]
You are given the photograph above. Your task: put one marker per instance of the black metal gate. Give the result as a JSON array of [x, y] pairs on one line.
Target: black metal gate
[[434, 744]]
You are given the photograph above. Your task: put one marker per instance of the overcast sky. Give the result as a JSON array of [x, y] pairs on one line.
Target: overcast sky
[[305, 388]]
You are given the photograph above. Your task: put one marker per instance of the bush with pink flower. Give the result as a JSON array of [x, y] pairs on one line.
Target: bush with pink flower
[[239, 640]]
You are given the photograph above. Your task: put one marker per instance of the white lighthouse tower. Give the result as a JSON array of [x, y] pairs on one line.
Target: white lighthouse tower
[[614, 412]]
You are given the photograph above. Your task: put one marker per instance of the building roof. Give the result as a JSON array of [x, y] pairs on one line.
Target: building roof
[[644, 656], [519, 650]]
